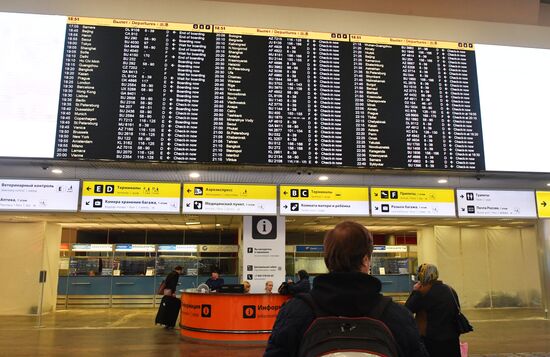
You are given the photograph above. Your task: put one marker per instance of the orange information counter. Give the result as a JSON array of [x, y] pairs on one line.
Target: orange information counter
[[229, 318]]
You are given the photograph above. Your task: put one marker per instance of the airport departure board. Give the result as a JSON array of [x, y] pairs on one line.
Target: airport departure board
[[157, 91]]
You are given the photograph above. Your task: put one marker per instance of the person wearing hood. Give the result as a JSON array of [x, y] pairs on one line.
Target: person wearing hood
[[347, 290]]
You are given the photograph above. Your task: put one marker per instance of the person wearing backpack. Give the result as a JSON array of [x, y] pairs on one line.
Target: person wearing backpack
[[348, 304]]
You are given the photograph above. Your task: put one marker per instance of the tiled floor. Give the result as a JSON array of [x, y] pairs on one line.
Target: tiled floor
[[131, 332]]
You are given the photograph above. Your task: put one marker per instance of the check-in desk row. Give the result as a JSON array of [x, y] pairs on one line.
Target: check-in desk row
[[118, 291], [129, 275]]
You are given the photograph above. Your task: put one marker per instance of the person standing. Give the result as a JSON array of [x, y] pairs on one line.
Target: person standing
[[302, 286], [347, 290], [214, 282], [439, 303], [171, 281]]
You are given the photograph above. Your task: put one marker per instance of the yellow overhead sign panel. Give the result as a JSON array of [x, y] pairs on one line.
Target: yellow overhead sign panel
[[396, 194], [131, 189], [324, 193], [543, 204], [225, 191]]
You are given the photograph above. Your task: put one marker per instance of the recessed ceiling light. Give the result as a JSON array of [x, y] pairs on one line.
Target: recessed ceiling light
[[217, 224], [548, 184], [442, 181], [323, 178], [194, 175], [57, 171]]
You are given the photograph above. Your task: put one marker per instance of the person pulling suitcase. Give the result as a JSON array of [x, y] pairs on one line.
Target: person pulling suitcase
[[170, 305]]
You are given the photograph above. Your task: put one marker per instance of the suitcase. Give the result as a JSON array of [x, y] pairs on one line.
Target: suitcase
[[169, 310]]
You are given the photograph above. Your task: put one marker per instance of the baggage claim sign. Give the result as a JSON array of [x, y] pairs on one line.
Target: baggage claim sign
[[131, 197]]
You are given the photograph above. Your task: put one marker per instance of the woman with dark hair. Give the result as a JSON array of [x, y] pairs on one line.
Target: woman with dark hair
[[439, 304], [302, 286], [347, 290]]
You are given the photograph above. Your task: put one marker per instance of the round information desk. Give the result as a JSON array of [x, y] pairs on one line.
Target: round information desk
[[229, 318]]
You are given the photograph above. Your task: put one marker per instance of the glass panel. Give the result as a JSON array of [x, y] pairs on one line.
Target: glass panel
[[90, 265], [167, 262]]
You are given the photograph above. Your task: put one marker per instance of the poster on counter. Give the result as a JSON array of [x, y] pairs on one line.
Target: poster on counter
[[543, 204], [263, 251], [414, 202], [130, 197], [39, 195], [201, 198], [323, 200], [496, 203]]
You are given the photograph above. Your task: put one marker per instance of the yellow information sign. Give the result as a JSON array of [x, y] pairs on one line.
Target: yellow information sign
[[543, 204], [254, 192], [324, 193], [308, 35], [142, 24], [396, 41], [396, 194], [131, 189]]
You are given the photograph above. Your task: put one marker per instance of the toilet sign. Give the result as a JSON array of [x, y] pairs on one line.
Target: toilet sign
[[263, 250]]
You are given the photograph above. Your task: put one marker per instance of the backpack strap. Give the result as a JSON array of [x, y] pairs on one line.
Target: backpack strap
[[308, 299], [376, 311]]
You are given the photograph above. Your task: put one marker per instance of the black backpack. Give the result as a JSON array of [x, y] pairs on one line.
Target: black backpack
[[330, 334]]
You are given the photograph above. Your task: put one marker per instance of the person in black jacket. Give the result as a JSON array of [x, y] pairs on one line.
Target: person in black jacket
[[302, 286], [347, 290], [440, 304], [214, 282], [171, 281]]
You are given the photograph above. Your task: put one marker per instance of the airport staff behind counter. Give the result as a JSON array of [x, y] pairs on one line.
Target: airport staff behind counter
[[214, 282]]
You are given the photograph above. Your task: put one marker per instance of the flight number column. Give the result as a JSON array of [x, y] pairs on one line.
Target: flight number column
[[412, 116], [275, 103], [126, 129]]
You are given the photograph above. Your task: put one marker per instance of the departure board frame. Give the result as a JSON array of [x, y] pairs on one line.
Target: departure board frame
[[151, 91]]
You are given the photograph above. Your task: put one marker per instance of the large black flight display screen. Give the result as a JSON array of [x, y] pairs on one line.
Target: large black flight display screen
[[155, 91]]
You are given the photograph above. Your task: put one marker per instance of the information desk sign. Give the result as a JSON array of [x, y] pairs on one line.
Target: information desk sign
[[496, 203], [323, 200], [138, 248], [390, 249], [131, 197], [420, 202], [201, 198], [177, 248], [543, 204], [84, 247], [39, 195]]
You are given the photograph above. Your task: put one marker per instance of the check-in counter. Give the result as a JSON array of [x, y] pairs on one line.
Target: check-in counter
[[229, 318]]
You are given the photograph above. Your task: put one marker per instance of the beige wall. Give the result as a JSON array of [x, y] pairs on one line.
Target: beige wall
[[487, 266], [200, 11], [25, 249]]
